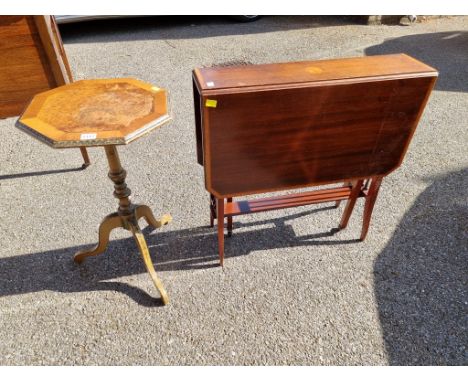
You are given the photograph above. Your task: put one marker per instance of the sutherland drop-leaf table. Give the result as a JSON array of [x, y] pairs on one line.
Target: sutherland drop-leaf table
[[279, 127]]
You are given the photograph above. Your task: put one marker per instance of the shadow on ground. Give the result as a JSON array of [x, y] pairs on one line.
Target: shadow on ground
[[189, 27], [171, 250], [40, 173], [445, 51], [421, 278]]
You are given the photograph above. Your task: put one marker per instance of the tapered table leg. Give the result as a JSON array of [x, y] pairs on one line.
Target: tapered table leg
[[84, 154], [229, 221], [220, 218], [369, 205], [212, 210], [338, 202], [356, 189]]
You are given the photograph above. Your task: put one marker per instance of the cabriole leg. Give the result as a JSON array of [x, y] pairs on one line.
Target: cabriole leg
[[107, 225], [142, 211], [143, 247]]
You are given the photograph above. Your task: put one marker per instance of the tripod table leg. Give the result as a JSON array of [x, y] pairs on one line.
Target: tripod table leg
[[142, 246], [107, 225], [145, 212]]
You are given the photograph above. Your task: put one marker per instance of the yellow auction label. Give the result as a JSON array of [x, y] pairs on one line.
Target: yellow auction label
[[211, 103]]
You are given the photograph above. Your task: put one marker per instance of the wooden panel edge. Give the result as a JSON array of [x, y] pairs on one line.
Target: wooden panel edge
[[296, 85], [52, 51]]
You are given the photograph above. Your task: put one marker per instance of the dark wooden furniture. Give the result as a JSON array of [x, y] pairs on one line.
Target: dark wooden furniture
[[103, 113], [33, 60], [263, 128]]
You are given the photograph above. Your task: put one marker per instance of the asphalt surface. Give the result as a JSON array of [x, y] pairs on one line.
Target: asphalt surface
[[291, 293]]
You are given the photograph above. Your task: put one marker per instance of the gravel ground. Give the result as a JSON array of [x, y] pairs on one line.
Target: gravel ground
[[290, 292]]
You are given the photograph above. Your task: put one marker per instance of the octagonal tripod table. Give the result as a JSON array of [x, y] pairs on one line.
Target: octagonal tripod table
[[103, 113]]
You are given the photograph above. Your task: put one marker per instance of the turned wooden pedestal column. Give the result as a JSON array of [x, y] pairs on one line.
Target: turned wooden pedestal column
[[126, 217]]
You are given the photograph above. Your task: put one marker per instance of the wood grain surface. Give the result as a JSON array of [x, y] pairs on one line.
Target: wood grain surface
[[32, 60], [294, 73], [325, 131], [96, 112]]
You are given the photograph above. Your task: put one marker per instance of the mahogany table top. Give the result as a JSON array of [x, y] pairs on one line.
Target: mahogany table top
[[291, 74], [263, 128], [95, 112]]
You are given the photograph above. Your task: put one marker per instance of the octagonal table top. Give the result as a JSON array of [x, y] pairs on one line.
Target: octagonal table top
[[95, 112]]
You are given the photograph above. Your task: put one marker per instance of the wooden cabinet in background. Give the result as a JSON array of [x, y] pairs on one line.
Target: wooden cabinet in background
[[33, 60]]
